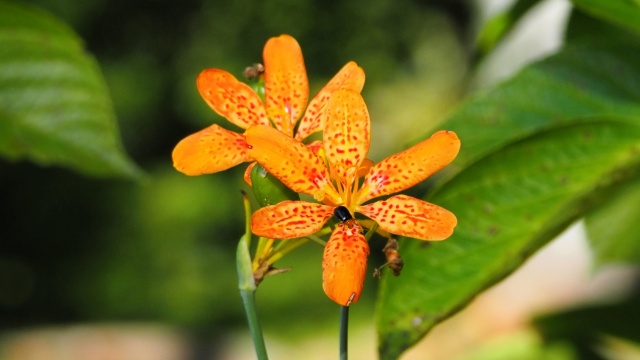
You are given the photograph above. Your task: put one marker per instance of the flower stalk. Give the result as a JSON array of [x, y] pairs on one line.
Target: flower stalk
[[247, 287]]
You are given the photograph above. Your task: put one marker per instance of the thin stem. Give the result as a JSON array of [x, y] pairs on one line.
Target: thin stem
[[248, 300], [371, 231], [344, 332], [289, 246], [247, 218], [316, 240]]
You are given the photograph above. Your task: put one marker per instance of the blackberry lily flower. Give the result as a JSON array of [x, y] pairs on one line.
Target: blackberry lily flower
[[333, 177], [286, 90]]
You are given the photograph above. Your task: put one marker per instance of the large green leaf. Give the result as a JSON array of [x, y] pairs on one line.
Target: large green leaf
[[621, 12], [613, 230], [537, 153], [54, 104]]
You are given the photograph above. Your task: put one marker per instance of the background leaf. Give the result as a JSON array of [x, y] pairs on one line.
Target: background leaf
[[587, 329], [613, 229], [574, 118], [621, 12], [54, 105]]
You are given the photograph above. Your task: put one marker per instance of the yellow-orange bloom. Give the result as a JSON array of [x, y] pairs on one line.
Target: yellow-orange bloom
[[346, 140], [286, 93]]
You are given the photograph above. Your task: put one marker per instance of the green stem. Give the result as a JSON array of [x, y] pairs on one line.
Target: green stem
[[316, 240], [344, 332], [248, 300], [247, 287]]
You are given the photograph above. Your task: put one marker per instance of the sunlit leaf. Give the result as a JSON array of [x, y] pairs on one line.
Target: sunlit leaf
[[54, 105], [537, 153]]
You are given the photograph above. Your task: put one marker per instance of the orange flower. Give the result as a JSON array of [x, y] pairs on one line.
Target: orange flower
[[333, 177], [286, 93]]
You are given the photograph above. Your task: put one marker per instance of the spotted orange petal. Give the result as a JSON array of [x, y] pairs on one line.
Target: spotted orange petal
[[210, 150], [403, 170], [290, 219], [286, 85], [294, 164], [315, 146], [351, 77], [344, 264], [408, 216], [346, 133], [231, 98]]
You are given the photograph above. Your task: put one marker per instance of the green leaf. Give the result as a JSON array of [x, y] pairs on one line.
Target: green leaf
[[613, 229], [54, 104], [621, 12], [586, 328], [537, 153]]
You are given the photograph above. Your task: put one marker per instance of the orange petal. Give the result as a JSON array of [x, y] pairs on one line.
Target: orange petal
[[292, 162], [403, 170], [286, 85], [344, 264], [210, 150], [290, 219], [346, 131], [315, 146], [351, 77], [408, 216], [247, 173], [231, 98]]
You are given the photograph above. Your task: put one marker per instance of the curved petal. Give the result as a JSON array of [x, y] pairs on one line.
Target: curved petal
[[403, 170], [210, 150], [231, 98], [292, 162], [315, 146], [286, 85], [351, 77], [346, 133], [344, 264], [290, 219], [247, 173], [408, 216]]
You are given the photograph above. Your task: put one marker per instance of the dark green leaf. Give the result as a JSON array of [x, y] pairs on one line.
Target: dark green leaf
[[621, 12], [585, 327], [537, 153], [54, 105]]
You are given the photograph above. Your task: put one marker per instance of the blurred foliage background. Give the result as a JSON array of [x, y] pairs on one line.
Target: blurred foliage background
[[75, 248], [159, 247]]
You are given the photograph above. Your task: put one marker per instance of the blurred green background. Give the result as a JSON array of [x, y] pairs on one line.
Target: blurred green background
[[96, 266], [77, 249]]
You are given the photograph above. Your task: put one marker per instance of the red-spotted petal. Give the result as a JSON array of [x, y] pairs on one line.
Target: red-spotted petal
[[290, 219], [315, 146], [231, 98], [346, 131], [292, 162], [408, 216], [286, 85], [210, 150], [403, 170], [344, 264], [351, 77]]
